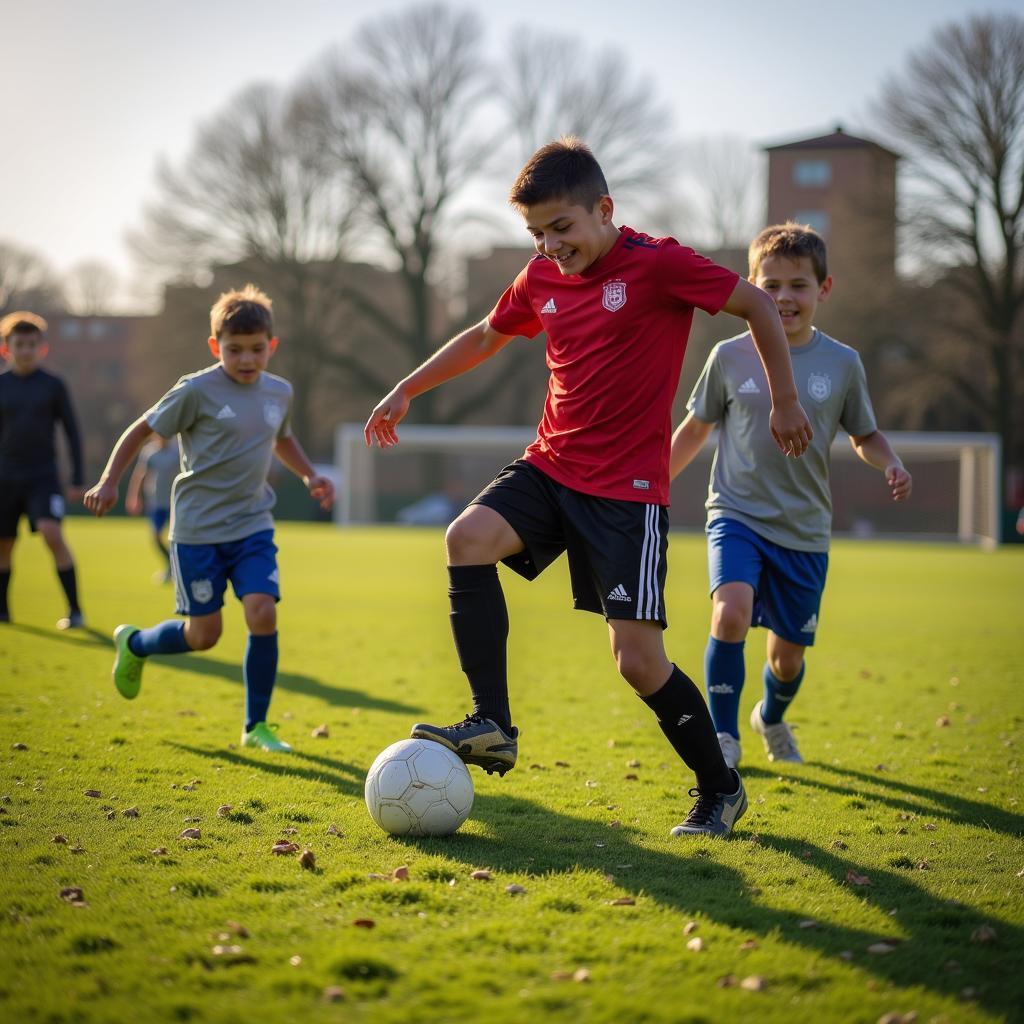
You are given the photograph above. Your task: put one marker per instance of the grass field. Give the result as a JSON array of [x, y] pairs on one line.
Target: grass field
[[904, 828]]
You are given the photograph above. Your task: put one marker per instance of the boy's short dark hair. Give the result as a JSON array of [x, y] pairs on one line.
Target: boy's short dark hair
[[21, 322], [243, 311], [791, 241], [563, 169]]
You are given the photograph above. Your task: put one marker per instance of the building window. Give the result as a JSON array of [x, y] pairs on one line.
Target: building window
[[817, 219], [812, 173]]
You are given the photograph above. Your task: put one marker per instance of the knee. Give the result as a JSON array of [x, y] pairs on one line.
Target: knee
[[261, 615], [730, 621], [464, 541], [637, 667], [785, 666], [202, 636]]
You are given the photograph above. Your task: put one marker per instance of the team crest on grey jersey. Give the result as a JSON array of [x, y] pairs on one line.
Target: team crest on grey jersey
[[202, 590], [273, 414], [614, 297], [819, 386]]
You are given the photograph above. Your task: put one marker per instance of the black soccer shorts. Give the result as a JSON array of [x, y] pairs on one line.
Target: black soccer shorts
[[38, 498], [616, 549]]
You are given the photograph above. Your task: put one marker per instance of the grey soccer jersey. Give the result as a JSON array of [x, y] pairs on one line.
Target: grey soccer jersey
[[785, 500], [227, 432]]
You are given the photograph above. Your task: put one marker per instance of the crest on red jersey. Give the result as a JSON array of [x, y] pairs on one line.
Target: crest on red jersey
[[614, 297]]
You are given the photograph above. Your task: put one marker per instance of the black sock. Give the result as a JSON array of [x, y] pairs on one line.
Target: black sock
[[686, 722], [70, 585], [5, 580], [480, 627], [164, 550]]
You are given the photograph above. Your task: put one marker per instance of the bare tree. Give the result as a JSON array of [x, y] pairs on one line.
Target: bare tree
[[91, 287], [552, 86], [27, 281], [958, 112], [259, 192]]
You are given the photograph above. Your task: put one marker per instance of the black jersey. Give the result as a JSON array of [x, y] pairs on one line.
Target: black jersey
[[31, 406]]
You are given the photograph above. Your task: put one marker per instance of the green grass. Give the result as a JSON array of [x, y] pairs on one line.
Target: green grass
[[929, 813]]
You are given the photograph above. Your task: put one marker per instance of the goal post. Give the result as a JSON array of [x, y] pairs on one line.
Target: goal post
[[956, 480]]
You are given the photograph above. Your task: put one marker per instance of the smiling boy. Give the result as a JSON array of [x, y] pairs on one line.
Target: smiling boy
[[770, 518], [616, 306], [231, 419]]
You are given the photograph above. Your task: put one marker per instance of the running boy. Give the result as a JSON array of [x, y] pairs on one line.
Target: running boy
[[616, 306], [32, 403], [149, 491], [769, 518], [231, 418]]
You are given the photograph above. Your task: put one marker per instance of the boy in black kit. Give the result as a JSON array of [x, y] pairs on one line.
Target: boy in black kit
[[32, 403]]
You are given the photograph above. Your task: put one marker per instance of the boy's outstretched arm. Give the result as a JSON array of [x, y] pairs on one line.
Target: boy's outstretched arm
[[687, 441], [462, 353], [102, 496], [290, 452], [876, 451], [789, 424]]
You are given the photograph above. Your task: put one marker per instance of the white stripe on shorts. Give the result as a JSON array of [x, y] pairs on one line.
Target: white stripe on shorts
[[179, 584], [648, 604]]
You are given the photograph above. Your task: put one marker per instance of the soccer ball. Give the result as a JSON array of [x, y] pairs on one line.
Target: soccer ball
[[418, 788]]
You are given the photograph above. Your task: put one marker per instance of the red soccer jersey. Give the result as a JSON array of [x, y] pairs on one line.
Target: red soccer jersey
[[616, 338]]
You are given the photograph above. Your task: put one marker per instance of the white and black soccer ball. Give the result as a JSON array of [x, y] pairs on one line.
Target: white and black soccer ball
[[418, 788]]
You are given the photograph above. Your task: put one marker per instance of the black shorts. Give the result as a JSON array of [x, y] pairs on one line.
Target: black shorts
[[616, 549], [38, 498]]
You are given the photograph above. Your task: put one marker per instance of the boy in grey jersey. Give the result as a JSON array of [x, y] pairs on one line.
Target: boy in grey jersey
[[231, 418], [769, 519]]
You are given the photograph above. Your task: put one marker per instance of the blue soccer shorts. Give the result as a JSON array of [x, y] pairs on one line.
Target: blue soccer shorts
[[201, 572], [787, 584]]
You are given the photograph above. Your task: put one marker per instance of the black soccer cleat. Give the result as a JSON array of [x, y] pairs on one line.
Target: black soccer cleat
[[479, 741], [714, 814]]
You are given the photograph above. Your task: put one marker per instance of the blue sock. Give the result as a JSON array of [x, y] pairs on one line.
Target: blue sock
[[259, 671], [724, 672], [164, 638], [778, 695]]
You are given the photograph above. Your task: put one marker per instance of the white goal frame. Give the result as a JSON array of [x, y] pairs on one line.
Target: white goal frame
[[977, 455]]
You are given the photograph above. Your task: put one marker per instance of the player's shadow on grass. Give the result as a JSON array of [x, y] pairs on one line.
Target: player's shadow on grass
[[84, 636], [344, 777], [293, 682], [903, 796], [527, 838]]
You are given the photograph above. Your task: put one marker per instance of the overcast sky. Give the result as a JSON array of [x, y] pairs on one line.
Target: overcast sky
[[92, 91]]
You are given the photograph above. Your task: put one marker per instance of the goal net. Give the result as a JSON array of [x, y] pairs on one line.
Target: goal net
[[435, 470]]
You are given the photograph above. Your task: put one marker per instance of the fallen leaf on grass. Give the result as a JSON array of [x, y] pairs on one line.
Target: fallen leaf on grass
[[727, 981], [73, 895], [333, 830], [482, 875], [984, 935], [290, 831], [514, 889], [130, 812], [189, 821], [690, 927], [855, 878], [282, 847], [591, 783], [754, 983], [160, 851], [561, 975], [364, 922], [239, 929], [111, 815], [401, 873], [307, 859], [747, 944], [94, 793], [333, 994], [623, 901], [19, 746], [59, 839], [581, 975], [631, 777], [224, 810], [880, 948], [321, 732], [77, 848], [895, 1017], [191, 833], [808, 924], [930, 827], [942, 721], [615, 824], [226, 950], [923, 865], [695, 945], [561, 764], [295, 960]]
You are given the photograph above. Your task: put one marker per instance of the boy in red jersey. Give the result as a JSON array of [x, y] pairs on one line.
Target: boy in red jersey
[[616, 306]]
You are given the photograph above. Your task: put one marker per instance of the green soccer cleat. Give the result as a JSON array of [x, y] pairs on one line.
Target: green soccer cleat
[[127, 665], [264, 737], [479, 741]]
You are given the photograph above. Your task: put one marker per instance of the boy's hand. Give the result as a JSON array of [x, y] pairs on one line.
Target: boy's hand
[[899, 481], [133, 506], [385, 418], [791, 428], [101, 498], [321, 488]]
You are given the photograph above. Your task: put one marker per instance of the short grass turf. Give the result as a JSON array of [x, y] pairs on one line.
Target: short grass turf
[[904, 827]]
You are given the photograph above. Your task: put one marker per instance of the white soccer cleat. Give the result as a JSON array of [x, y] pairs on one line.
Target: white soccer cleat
[[779, 741], [732, 751]]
